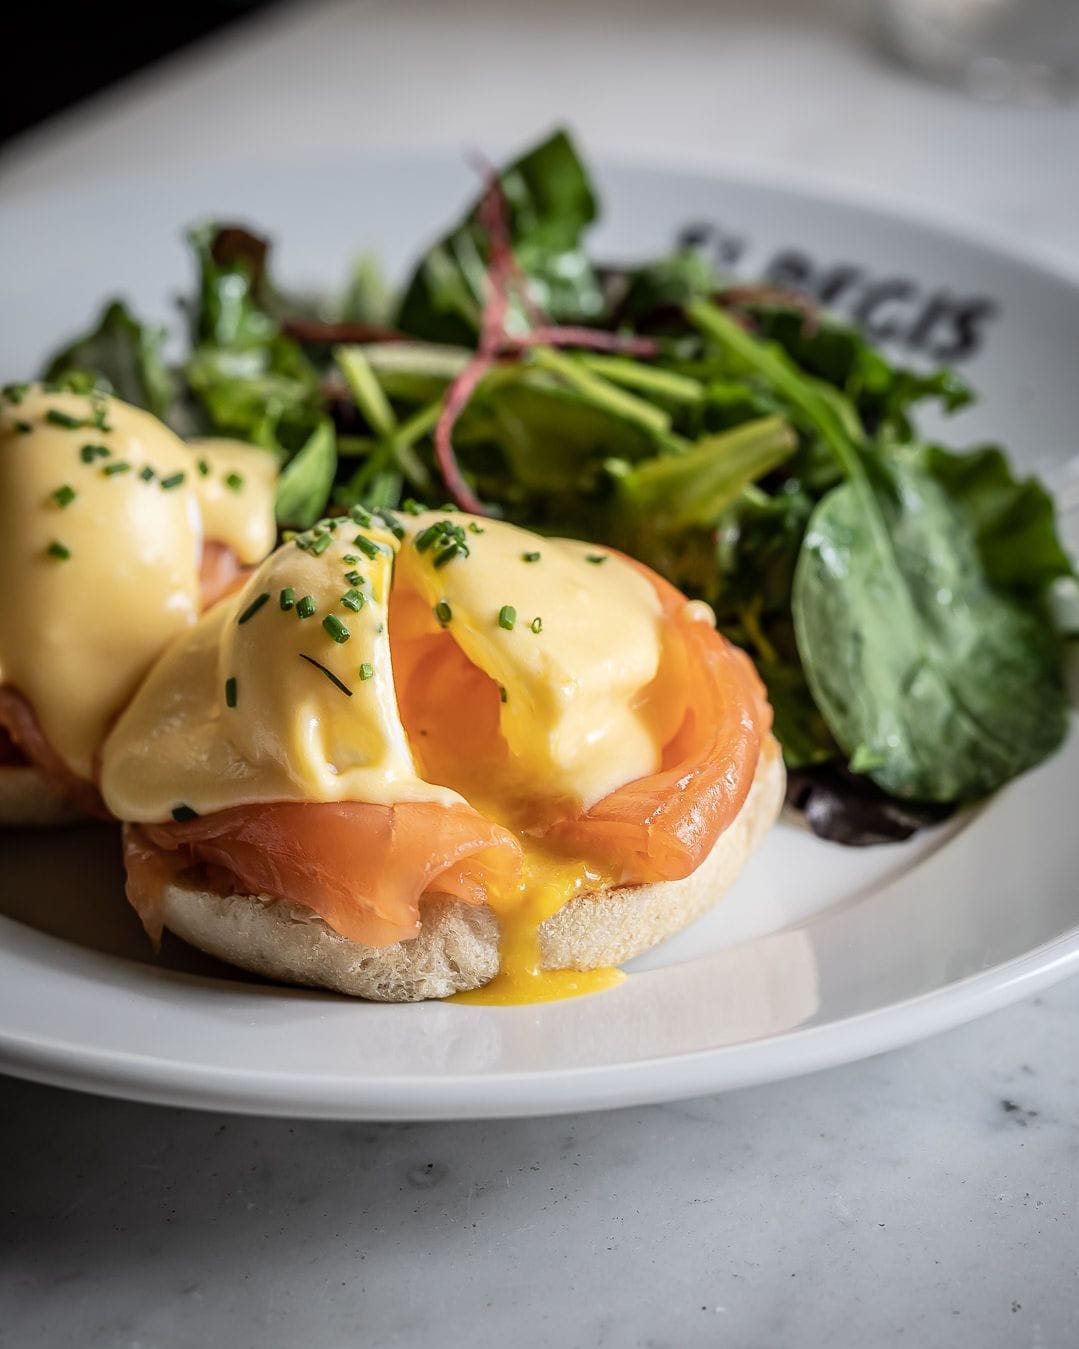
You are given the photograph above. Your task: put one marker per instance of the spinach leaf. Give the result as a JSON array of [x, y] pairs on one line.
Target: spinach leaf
[[937, 685], [551, 204], [125, 353], [304, 485]]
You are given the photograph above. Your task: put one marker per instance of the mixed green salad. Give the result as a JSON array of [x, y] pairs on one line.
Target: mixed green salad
[[893, 592]]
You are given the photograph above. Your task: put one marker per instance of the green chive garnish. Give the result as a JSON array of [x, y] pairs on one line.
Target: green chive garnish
[[203, 467], [173, 480], [367, 671], [426, 537], [230, 691], [58, 550], [361, 515], [596, 558], [15, 393], [234, 482], [502, 694], [443, 613], [507, 617], [337, 630], [146, 473], [352, 599], [413, 507], [319, 544], [120, 466], [182, 813], [366, 546], [305, 607], [89, 453], [354, 578], [392, 523], [23, 428], [64, 419], [474, 528], [350, 557], [530, 557], [328, 673], [64, 496], [98, 419], [288, 598], [536, 625], [253, 608]]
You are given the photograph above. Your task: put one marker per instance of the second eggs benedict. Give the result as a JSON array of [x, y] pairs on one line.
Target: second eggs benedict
[[114, 535], [421, 755]]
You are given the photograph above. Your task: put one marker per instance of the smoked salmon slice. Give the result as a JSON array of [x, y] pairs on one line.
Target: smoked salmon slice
[[362, 868], [662, 827], [19, 725]]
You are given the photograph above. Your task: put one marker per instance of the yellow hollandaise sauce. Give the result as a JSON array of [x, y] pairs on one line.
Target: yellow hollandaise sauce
[[103, 517]]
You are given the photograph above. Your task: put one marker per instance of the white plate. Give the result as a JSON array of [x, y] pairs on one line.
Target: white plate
[[819, 956]]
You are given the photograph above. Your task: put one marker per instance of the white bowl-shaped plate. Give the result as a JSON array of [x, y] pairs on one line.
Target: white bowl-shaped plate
[[819, 956]]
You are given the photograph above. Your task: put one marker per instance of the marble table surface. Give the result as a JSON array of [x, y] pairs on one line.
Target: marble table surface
[[929, 1197]]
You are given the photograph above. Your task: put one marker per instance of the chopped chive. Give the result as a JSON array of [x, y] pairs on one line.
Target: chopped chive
[[448, 554], [320, 543], [352, 599], [64, 419], [15, 393], [182, 813], [502, 694], [536, 625], [596, 558], [23, 428], [146, 473], [63, 496], [328, 673], [58, 550], [474, 528], [350, 557], [99, 419], [530, 557], [253, 608], [443, 612], [118, 466], [366, 546], [288, 598], [234, 482], [203, 467], [367, 671], [305, 607], [448, 508], [411, 506], [361, 515], [89, 453], [337, 630], [426, 537], [507, 617], [230, 691], [354, 578], [173, 480]]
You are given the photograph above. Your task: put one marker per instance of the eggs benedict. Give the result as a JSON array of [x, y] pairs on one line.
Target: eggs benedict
[[114, 535], [433, 754]]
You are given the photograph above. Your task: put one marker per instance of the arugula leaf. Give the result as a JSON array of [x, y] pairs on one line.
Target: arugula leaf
[[551, 204], [937, 685], [125, 353], [305, 483], [1013, 520]]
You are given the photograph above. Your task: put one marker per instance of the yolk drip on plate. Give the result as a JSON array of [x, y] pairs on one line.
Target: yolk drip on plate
[[547, 883]]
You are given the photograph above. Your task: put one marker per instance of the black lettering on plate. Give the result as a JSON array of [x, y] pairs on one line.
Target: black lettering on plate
[[893, 309]]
